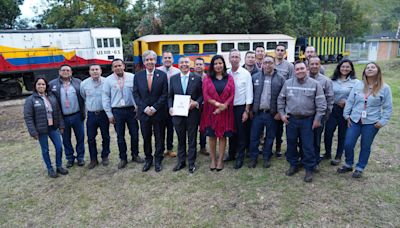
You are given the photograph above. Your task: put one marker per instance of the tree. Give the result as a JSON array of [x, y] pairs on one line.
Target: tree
[[9, 12]]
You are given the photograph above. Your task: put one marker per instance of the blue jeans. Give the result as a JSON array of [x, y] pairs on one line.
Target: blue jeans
[[76, 123], [367, 132], [335, 120], [262, 121], [55, 137], [126, 116], [317, 141], [94, 121], [300, 128]]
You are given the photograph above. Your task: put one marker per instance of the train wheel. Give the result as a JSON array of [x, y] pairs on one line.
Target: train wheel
[[10, 89]]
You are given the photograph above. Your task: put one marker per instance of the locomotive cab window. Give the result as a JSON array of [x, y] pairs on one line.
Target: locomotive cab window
[[111, 41], [173, 48], [244, 46], [190, 48], [271, 45], [209, 48], [118, 42], [226, 47], [105, 42], [99, 43]]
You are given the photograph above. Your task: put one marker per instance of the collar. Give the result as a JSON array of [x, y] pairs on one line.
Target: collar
[[147, 72], [183, 75]]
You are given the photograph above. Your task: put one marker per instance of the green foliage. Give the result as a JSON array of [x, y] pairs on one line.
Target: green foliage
[[9, 11]]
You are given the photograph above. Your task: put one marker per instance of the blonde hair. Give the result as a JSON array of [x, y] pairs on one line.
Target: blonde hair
[[376, 87]]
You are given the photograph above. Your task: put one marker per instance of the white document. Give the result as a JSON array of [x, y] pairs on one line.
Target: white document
[[181, 105]]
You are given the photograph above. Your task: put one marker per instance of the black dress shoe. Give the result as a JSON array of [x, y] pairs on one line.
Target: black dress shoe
[[81, 163], [278, 152], [266, 164], [62, 171], [326, 156], [238, 164], [192, 168], [179, 166], [92, 164], [344, 169], [137, 159], [158, 167], [308, 177], [146, 166], [52, 174], [292, 170], [252, 163], [122, 164], [316, 169], [105, 161], [70, 164]]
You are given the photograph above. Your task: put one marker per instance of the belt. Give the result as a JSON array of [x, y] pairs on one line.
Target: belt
[[299, 116], [96, 112], [126, 107], [237, 106], [72, 114], [264, 110]]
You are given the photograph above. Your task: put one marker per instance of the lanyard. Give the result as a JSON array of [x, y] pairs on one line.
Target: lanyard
[[120, 83], [366, 98]]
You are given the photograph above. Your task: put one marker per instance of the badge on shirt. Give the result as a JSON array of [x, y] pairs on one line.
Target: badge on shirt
[[364, 114], [122, 102], [290, 93]]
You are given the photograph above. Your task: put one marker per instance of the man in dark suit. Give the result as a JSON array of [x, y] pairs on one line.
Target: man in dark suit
[[186, 83], [150, 91]]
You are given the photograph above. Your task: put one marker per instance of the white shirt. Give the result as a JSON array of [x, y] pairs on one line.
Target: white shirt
[[243, 86]]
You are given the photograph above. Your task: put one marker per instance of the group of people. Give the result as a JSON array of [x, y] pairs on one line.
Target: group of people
[[247, 105]]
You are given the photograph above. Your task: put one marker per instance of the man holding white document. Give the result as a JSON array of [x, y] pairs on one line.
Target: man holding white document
[[184, 99]]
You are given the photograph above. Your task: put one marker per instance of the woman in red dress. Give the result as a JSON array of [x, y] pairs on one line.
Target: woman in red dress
[[217, 116]]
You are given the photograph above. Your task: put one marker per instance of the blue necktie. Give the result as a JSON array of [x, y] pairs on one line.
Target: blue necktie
[[184, 83]]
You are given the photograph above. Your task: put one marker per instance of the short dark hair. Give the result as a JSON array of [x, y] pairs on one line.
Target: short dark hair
[[282, 45], [199, 58], [117, 59], [299, 62], [94, 65], [259, 46], [45, 81], [67, 65], [211, 68], [249, 52], [336, 73]]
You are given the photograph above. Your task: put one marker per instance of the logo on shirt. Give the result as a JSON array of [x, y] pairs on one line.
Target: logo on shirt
[[291, 93], [256, 83]]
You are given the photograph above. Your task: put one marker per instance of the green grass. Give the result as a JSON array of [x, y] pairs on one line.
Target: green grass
[[108, 197]]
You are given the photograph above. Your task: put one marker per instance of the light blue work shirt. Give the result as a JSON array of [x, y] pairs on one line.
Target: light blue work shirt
[[378, 107], [342, 88], [118, 94], [69, 99], [91, 92]]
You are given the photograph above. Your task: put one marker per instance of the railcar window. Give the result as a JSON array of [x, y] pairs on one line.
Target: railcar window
[[111, 41], [99, 43], [118, 42], [271, 45], [173, 48], [105, 42], [284, 43], [256, 44], [210, 48], [244, 46], [226, 47], [190, 48]]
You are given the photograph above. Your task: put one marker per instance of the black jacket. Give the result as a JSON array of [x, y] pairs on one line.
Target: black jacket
[[35, 114]]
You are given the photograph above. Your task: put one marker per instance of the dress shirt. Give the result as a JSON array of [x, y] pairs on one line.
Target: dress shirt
[[91, 92], [243, 86], [69, 99]]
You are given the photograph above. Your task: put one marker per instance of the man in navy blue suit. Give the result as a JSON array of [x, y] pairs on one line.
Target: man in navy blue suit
[[186, 83], [150, 91]]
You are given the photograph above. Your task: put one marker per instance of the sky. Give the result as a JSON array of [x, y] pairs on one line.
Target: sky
[[27, 10]]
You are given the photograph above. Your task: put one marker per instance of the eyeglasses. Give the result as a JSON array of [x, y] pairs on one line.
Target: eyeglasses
[[268, 62], [281, 50]]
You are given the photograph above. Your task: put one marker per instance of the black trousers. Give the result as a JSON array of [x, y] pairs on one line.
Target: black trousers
[[147, 127], [187, 134], [240, 140]]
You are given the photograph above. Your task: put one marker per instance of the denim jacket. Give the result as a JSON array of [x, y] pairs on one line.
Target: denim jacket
[[378, 107]]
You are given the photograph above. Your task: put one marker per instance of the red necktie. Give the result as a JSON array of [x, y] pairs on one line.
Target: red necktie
[[149, 81]]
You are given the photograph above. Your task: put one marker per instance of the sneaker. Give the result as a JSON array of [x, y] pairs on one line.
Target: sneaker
[[292, 170], [357, 174], [81, 163], [335, 162], [92, 164], [70, 164], [308, 177], [52, 174], [105, 161], [62, 171], [344, 169]]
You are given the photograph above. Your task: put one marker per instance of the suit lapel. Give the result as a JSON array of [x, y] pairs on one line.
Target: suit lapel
[[179, 80]]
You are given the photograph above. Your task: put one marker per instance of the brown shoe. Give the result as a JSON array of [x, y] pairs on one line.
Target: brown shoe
[[170, 153]]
